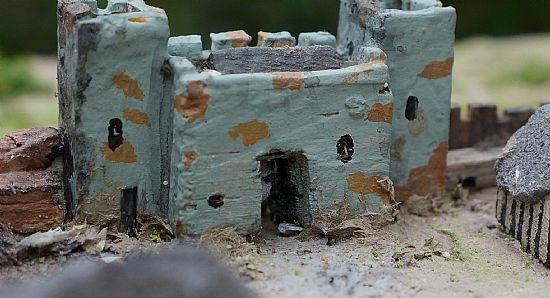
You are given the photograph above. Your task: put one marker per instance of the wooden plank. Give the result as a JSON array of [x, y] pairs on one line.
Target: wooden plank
[[473, 165]]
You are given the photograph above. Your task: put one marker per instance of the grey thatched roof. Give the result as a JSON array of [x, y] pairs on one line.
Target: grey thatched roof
[[524, 167]]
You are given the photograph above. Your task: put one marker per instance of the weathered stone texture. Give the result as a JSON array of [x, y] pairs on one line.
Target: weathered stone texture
[[31, 201], [31, 197], [29, 149], [524, 168], [267, 59]]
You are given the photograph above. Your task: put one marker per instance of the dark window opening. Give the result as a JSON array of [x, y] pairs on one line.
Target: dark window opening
[[344, 148], [468, 182], [351, 48], [114, 138], [128, 211], [411, 109], [216, 201], [285, 189]]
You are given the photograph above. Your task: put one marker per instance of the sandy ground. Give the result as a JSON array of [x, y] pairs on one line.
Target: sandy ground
[[483, 262], [458, 251]]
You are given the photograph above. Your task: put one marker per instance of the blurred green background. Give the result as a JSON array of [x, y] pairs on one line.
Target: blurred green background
[[499, 58]]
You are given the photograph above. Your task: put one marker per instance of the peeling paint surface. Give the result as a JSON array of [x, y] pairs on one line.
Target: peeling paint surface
[[360, 183], [437, 69], [231, 39], [378, 57], [251, 132], [193, 104], [354, 77], [432, 174], [136, 116], [190, 157], [290, 80], [138, 20], [381, 113], [239, 38], [125, 153], [419, 124], [128, 85]]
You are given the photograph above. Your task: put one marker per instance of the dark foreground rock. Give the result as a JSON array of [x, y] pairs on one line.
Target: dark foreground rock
[[180, 273]]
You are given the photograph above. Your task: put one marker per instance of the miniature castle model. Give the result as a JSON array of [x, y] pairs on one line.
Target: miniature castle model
[[154, 124]]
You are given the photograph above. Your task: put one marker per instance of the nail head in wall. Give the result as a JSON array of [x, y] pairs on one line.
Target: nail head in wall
[[411, 108], [344, 148], [385, 89], [216, 201]]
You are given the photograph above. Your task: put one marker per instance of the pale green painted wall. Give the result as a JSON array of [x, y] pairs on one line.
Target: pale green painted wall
[[412, 40]]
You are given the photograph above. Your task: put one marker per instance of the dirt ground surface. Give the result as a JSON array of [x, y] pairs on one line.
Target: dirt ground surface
[[455, 249]]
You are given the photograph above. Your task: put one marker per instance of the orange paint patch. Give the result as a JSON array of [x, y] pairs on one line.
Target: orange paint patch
[[251, 132], [136, 116], [261, 37], [362, 184], [377, 57], [123, 154], [437, 69], [290, 80], [428, 179], [138, 20], [281, 44], [381, 113], [366, 67], [190, 157], [239, 38], [193, 104], [128, 85], [353, 78]]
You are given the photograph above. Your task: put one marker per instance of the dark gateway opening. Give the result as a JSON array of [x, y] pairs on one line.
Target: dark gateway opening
[[285, 188]]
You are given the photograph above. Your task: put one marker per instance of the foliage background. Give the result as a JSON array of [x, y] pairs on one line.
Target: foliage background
[[498, 59], [29, 26]]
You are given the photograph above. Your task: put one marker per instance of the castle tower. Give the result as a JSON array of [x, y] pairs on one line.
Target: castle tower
[[114, 93], [418, 38]]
